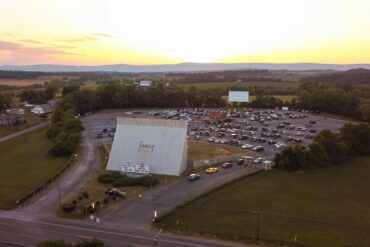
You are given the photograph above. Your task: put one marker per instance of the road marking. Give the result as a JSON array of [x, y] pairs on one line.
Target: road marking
[[107, 232], [15, 243]]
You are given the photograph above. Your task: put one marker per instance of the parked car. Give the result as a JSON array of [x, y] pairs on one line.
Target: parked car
[[193, 177], [211, 170], [259, 160], [258, 149], [111, 134], [115, 193], [247, 146], [99, 135], [227, 165]]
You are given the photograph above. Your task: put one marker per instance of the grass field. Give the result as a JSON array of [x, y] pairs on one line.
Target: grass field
[[25, 165], [337, 195], [31, 119], [29, 82], [202, 150], [238, 84]]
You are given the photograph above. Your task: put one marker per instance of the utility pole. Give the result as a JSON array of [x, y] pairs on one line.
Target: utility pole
[[60, 201], [258, 226]]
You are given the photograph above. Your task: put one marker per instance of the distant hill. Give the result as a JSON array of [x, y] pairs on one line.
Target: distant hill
[[184, 67], [361, 76]]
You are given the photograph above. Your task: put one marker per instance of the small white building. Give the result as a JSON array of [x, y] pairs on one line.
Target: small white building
[[41, 109], [145, 83], [143, 145]]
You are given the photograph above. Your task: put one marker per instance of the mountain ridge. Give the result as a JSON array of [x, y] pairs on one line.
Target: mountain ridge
[[182, 67]]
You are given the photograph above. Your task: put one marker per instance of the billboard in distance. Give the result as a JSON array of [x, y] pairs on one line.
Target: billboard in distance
[[238, 96]]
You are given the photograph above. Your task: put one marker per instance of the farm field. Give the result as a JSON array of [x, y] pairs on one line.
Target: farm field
[[338, 196], [29, 82], [223, 85], [24, 165]]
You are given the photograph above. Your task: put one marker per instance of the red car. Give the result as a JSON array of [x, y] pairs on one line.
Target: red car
[[227, 165]]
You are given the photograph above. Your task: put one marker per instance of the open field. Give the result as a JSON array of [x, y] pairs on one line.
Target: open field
[[25, 165], [334, 195], [239, 84], [28, 82], [201, 150], [31, 119]]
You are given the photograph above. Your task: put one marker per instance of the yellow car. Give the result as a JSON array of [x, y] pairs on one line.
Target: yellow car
[[212, 170]]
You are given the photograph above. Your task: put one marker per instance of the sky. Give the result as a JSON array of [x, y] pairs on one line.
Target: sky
[[96, 32]]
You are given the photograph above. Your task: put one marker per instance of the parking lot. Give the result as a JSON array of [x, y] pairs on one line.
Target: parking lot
[[270, 129]]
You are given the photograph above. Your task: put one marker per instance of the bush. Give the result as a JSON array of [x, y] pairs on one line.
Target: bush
[[68, 207], [105, 179], [148, 181], [86, 194], [132, 181], [125, 182], [110, 177]]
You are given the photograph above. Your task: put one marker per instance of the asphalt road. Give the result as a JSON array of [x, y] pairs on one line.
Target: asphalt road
[[17, 232]]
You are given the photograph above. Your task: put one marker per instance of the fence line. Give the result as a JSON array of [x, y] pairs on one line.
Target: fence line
[[50, 180]]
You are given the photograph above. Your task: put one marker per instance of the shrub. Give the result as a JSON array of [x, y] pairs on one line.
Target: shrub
[[148, 181], [68, 207], [86, 194], [105, 179], [125, 182]]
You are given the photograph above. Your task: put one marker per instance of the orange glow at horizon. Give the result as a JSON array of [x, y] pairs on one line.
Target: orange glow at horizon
[[96, 32]]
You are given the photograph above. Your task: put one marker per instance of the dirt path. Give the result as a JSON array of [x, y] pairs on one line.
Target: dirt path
[[22, 132]]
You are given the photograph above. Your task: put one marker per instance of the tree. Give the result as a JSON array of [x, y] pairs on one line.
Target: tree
[[334, 145], [91, 243], [69, 89], [292, 158], [317, 155], [357, 137], [54, 243], [364, 109]]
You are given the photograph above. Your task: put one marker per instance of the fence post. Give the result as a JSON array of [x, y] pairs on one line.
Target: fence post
[[258, 226]]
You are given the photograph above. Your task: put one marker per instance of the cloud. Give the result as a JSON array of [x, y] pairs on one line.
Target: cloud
[[30, 41], [85, 38], [102, 35], [19, 48]]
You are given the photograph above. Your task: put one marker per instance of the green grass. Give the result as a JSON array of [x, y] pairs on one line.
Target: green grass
[[240, 84], [31, 119], [25, 165], [338, 194]]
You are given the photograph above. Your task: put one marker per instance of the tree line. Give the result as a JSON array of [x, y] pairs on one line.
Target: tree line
[[327, 149], [65, 132], [344, 99]]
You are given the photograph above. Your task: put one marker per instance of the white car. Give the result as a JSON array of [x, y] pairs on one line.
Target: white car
[[247, 146], [217, 141], [279, 145], [212, 139]]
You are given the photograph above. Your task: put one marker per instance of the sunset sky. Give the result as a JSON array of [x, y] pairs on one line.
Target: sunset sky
[[95, 32]]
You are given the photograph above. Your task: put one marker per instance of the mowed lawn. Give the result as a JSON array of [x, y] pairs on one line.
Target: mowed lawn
[[336, 195], [25, 165]]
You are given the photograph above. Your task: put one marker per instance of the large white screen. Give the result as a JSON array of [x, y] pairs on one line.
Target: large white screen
[[238, 96]]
